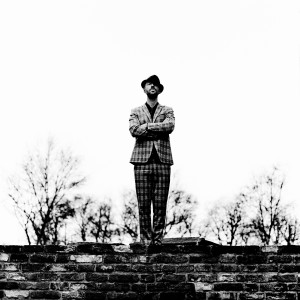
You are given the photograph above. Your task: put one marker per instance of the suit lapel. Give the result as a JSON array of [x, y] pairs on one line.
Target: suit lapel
[[157, 111], [146, 111]]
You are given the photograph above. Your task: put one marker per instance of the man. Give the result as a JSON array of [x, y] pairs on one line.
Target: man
[[151, 125]]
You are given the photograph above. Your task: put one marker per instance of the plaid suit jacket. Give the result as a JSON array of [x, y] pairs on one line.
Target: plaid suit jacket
[[156, 136]]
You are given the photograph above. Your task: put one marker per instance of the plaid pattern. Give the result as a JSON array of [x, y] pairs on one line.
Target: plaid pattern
[[157, 134], [152, 183]]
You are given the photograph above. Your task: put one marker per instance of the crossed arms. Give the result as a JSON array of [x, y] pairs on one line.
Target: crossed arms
[[151, 130]]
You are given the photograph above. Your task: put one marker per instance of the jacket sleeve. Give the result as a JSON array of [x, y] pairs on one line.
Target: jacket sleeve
[[167, 126], [135, 128]]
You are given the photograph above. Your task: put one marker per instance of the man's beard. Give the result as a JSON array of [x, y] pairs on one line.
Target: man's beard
[[152, 96]]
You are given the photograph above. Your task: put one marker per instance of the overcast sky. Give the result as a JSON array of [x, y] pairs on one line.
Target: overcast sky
[[231, 70]]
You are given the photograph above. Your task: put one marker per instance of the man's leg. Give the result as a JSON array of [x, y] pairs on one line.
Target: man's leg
[[144, 186], [161, 190]]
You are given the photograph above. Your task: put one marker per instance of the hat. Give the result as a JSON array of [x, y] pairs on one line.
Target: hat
[[155, 80]]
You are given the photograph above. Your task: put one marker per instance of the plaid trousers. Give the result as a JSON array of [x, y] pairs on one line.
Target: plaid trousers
[[152, 182]]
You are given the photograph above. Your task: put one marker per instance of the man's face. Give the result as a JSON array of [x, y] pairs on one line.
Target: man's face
[[151, 90]]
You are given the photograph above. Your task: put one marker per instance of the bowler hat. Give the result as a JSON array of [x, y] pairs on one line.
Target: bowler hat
[[155, 80]]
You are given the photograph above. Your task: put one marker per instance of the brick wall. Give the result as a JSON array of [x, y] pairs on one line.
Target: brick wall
[[172, 271]]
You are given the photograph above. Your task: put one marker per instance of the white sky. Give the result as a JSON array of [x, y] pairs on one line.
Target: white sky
[[231, 71]]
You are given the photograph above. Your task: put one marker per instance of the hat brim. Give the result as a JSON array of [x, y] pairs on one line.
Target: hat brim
[[160, 86]]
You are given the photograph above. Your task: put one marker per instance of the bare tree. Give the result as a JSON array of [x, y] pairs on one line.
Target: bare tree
[[103, 228], [42, 193], [290, 230], [270, 214], [256, 216], [83, 213], [130, 222], [180, 213], [227, 223]]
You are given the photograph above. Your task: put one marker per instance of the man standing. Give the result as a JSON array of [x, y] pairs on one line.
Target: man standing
[[151, 125]]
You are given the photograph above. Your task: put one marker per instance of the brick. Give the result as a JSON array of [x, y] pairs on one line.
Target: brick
[[287, 277], [194, 259], [121, 248], [170, 278], [138, 287], [280, 259], [143, 268], [274, 287], [44, 276], [172, 295], [57, 268], [202, 277], [227, 277], [10, 249], [168, 259], [86, 268], [94, 248], [9, 285], [203, 286], [31, 249], [251, 287], [122, 296], [289, 268], [33, 267], [9, 267], [67, 295], [247, 250], [228, 258], [182, 286], [116, 259], [251, 296], [281, 296], [199, 296], [228, 287], [71, 276], [62, 258], [60, 286], [45, 295], [42, 258], [103, 286], [34, 285], [98, 277], [121, 287], [289, 249], [19, 257], [56, 248], [94, 295], [270, 249], [147, 278], [87, 258], [186, 269], [104, 268], [250, 278], [221, 268], [123, 278], [159, 286], [4, 257], [123, 268], [15, 276], [267, 268], [221, 295], [251, 259], [168, 269], [293, 287], [17, 294], [81, 286], [248, 268]]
